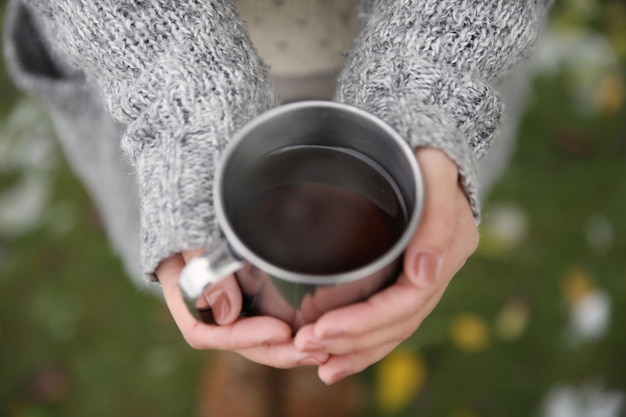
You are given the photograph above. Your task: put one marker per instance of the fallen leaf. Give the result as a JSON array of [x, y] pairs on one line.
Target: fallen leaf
[[576, 284], [589, 318], [609, 94], [591, 400], [399, 379], [512, 320], [505, 227], [469, 332]]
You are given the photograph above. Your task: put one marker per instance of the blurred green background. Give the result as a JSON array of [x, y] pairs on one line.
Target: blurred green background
[[534, 325]]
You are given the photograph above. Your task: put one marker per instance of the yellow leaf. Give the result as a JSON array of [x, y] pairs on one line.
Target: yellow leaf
[[512, 320], [609, 94], [576, 284], [469, 332], [399, 378]]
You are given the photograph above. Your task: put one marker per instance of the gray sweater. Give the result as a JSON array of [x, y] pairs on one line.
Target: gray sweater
[[172, 80]]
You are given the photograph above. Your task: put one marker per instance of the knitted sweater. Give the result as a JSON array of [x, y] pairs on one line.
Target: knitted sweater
[[180, 77]]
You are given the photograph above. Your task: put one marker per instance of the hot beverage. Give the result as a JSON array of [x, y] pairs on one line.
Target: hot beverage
[[317, 210]]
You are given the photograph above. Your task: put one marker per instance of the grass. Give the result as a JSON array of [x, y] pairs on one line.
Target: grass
[[78, 339]]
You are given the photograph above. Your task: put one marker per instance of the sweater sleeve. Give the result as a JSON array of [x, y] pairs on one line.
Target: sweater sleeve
[[426, 67], [181, 77]]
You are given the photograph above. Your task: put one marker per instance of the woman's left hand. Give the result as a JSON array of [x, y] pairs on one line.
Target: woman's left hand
[[361, 334]]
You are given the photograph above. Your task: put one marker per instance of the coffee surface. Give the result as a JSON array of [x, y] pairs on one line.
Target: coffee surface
[[317, 210]]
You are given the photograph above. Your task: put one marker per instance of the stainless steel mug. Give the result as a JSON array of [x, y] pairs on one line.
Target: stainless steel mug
[[314, 143]]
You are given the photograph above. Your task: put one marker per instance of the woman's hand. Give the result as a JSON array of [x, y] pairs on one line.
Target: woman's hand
[[359, 335], [349, 339], [263, 340]]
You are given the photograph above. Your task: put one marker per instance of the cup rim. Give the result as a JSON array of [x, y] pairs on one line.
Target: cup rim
[[241, 249]]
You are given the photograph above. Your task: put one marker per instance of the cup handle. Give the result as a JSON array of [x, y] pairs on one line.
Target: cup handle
[[201, 272]]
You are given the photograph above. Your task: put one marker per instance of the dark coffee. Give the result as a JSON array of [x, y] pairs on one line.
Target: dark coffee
[[317, 210]]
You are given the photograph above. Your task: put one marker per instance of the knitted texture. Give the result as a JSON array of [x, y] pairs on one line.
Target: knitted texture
[[426, 67], [182, 77]]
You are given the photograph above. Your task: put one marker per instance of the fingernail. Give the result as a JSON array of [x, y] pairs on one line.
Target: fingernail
[[220, 305], [426, 268]]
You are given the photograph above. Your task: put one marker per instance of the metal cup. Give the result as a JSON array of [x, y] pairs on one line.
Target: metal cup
[[269, 289]]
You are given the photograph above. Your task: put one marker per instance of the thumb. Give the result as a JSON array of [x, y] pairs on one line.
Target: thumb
[[222, 302], [424, 256]]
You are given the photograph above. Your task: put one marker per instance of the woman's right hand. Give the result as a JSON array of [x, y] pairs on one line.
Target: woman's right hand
[[262, 339]]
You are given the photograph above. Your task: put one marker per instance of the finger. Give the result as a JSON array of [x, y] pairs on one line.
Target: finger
[[466, 224], [425, 253], [283, 356], [223, 299], [170, 268], [168, 273], [339, 367], [394, 318], [395, 332], [242, 334], [188, 255], [395, 303], [348, 345]]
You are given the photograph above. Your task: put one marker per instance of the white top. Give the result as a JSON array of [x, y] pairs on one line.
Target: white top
[[300, 38]]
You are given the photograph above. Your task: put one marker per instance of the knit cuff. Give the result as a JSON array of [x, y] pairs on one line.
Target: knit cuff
[[425, 68], [427, 127], [175, 151], [175, 194], [428, 107]]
